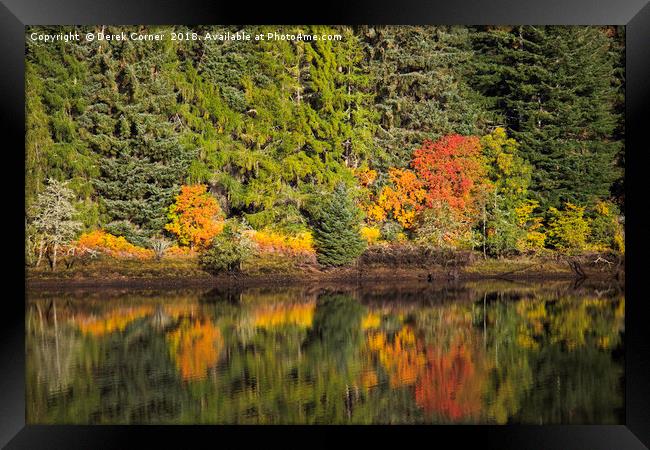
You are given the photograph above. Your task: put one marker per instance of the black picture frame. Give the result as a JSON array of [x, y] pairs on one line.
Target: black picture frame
[[634, 14]]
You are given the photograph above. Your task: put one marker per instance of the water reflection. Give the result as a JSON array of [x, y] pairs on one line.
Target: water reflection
[[473, 353]]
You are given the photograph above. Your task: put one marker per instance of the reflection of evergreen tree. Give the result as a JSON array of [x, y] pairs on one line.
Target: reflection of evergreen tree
[[336, 330], [512, 375], [137, 382], [227, 295], [332, 347], [576, 387]]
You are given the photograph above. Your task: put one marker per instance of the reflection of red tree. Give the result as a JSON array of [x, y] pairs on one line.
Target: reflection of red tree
[[450, 384]]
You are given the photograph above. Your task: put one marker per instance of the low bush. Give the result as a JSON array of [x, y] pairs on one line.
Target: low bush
[[118, 247], [228, 251]]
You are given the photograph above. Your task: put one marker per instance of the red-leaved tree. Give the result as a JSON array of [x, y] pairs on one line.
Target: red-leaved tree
[[452, 169]]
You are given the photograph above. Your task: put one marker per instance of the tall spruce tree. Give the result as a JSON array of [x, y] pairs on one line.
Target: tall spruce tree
[[554, 89], [283, 117], [250, 118], [335, 220], [130, 123]]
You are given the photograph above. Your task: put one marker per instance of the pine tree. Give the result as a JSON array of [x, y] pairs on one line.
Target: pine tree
[[252, 159], [288, 115], [553, 87], [335, 219], [130, 125], [339, 122]]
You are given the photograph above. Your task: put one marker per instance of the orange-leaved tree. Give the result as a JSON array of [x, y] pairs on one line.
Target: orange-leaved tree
[[195, 217], [452, 170], [402, 198]]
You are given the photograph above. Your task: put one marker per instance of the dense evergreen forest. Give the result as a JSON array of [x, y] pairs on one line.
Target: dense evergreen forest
[[502, 140]]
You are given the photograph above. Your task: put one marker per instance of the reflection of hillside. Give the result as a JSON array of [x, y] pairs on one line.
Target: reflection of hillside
[[371, 355]]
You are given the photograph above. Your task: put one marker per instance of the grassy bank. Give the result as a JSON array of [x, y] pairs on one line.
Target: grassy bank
[[279, 268]]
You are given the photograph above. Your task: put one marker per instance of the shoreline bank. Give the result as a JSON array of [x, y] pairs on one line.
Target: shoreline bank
[[161, 275]]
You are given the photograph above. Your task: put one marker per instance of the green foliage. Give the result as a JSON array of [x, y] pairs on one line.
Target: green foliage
[[503, 234], [267, 125], [510, 176], [229, 250], [556, 88], [420, 91], [335, 220], [128, 123], [55, 78], [273, 118]]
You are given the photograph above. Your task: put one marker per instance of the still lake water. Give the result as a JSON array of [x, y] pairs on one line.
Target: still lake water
[[474, 353]]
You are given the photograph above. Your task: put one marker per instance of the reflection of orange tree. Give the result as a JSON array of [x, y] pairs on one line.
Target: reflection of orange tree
[[451, 384], [270, 316], [195, 346], [401, 357], [115, 320]]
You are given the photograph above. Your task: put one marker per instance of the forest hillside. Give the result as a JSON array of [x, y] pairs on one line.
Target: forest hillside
[[496, 142]]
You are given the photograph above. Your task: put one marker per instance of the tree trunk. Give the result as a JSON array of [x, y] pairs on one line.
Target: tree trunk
[[40, 252], [484, 236], [54, 250]]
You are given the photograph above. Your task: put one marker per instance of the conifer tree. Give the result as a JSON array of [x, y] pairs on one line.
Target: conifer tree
[[130, 124], [288, 116], [55, 78], [335, 220], [554, 89]]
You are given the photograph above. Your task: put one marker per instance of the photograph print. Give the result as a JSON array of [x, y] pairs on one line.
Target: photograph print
[[325, 224]]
